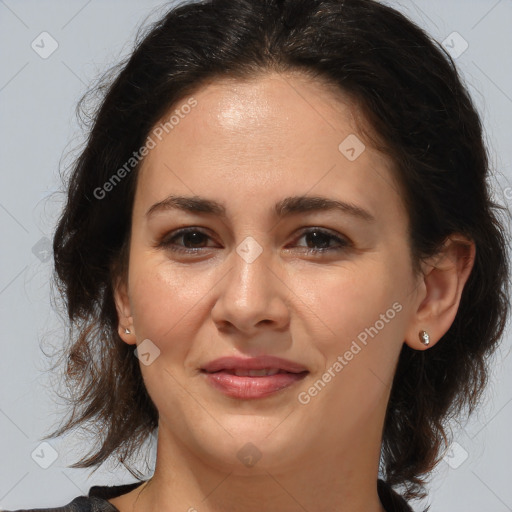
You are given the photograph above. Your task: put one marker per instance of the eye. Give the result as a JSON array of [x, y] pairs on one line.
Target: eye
[[192, 238], [322, 239]]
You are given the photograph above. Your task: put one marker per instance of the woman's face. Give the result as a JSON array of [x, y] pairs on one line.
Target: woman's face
[[295, 248]]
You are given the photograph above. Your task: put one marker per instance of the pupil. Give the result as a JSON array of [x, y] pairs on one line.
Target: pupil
[[317, 239], [193, 237]]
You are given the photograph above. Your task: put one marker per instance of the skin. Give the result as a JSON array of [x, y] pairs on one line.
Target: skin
[[247, 145]]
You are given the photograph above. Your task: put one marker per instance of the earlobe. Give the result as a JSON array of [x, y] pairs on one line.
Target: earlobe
[[127, 335], [122, 301], [444, 277]]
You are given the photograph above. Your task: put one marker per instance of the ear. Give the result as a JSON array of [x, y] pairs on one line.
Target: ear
[[440, 288], [124, 314]]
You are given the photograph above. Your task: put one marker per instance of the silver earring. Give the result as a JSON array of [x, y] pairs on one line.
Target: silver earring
[[424, 337], [127, 331]]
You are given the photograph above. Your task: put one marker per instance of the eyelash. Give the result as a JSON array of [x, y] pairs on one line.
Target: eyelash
[[167, 242]]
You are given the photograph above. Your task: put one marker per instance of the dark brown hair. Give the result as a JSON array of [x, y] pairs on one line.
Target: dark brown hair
[[411, 94]]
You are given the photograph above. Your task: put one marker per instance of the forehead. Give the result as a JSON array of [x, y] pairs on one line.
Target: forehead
[[262, 136], [270, 109]]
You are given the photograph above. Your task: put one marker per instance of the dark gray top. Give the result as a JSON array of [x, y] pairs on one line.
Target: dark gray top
[[96, 501]]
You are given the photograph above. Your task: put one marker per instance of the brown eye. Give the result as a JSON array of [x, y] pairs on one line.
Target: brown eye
[[319, 241], [186, 240]]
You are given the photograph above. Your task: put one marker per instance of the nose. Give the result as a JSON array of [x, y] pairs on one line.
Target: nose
[[252, 296]]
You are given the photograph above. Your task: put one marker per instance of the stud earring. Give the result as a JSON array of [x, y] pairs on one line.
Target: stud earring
[[424, 337], [127, 331]]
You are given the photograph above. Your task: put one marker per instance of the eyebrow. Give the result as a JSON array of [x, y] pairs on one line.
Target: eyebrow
[[284, 208]]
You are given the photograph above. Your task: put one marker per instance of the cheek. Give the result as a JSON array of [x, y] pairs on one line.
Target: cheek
[[167, 309], [363, 321], [348, 301], [166, 302], [362, 317]]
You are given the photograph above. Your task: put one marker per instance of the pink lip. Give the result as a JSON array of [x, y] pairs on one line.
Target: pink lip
[[220, 374], [253, 363]]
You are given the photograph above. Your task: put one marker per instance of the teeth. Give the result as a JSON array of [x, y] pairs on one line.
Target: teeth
[[256, 373]]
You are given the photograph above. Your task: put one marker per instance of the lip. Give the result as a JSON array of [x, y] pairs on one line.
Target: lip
[[220, 375], [253, 363]]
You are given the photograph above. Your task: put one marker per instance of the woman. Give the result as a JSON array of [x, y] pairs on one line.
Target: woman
[[279, 253]]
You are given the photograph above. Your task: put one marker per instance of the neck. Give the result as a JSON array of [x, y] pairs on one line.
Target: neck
[[332, 480]]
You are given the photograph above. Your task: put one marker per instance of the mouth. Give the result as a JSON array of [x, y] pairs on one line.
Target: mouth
[[252, 378], [240, 372]]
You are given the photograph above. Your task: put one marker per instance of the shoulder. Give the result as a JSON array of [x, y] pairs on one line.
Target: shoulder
[[80, 504], [96, 501], [98, 495]]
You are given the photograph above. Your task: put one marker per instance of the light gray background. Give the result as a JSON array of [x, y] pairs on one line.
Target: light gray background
[[38, 130]]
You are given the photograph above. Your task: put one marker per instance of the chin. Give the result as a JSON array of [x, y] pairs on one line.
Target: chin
[[255, 446]]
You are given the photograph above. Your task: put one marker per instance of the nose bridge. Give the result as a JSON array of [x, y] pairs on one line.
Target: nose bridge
[[252, 292], [250, 250], [251, 269]]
